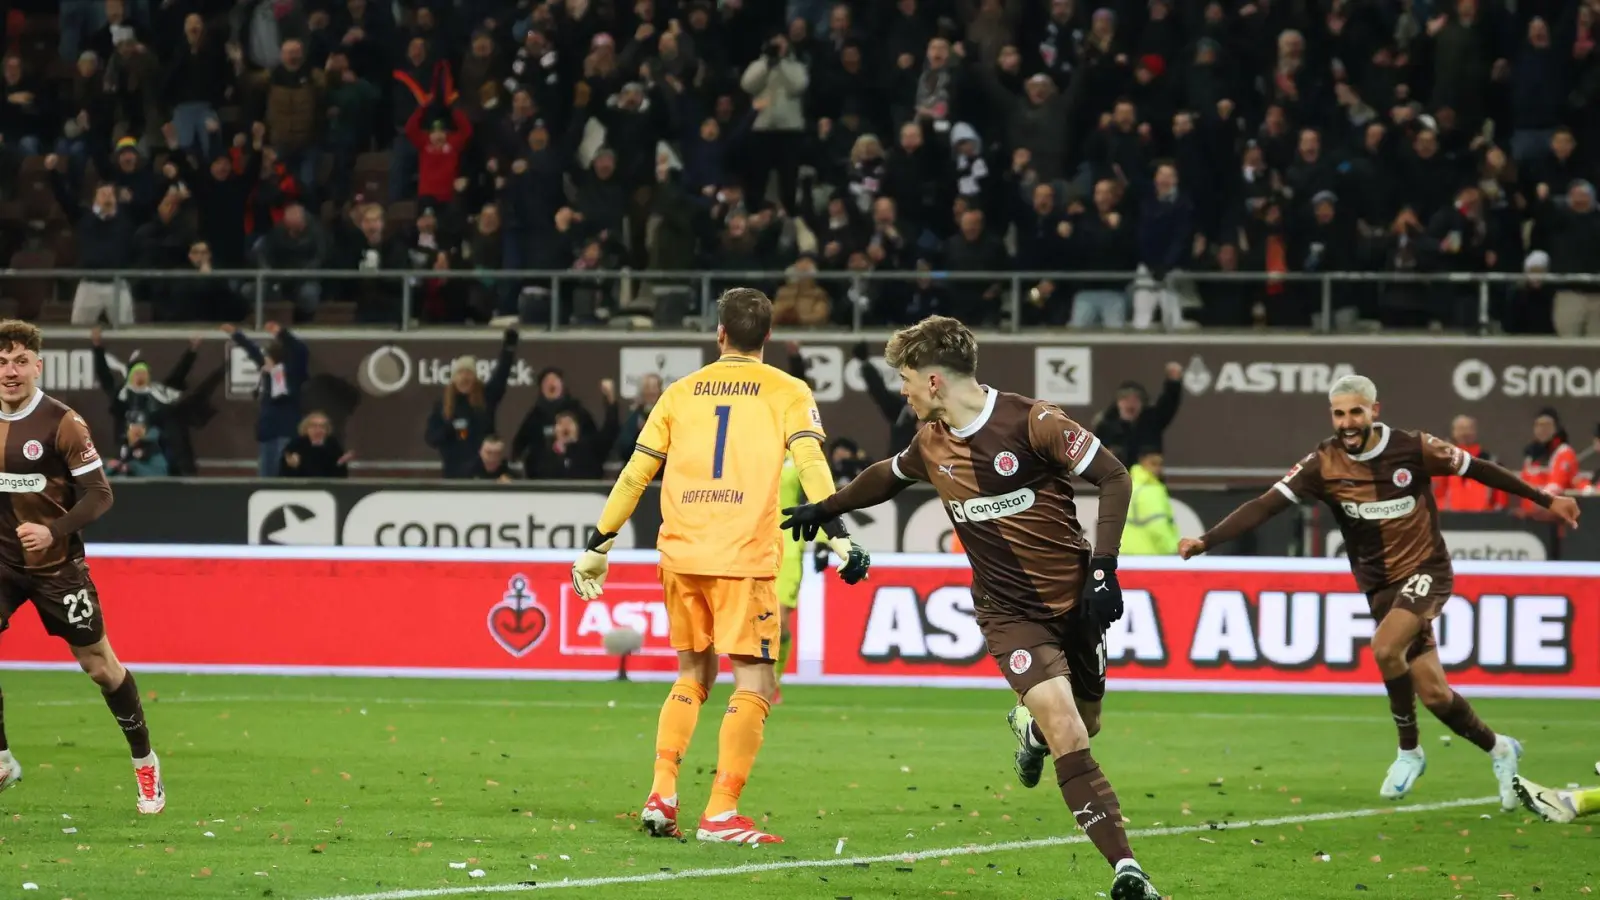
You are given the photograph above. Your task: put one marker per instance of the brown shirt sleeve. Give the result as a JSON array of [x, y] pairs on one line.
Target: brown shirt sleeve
[[88, 476], [1246, 518], [1494, 475], [1440, 457], [877, 484], [1060, 440]]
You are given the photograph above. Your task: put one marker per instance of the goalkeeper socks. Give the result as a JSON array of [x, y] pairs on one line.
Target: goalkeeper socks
[[1403, 707], [676, 726], [1586, 803], [784, 643], [129, 710], [1458, 716], [1093, 804], [737, 746]]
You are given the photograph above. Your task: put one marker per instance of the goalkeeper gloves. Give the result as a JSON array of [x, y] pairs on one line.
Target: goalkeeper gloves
[[854, 559], [589, 572], [1101, 597]]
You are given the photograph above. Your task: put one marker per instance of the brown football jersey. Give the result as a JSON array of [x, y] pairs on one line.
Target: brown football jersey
[[47, 446], [1382, 500], [1006, 484]]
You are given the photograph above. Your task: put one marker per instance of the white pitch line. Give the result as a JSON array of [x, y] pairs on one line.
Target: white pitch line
[[839, 862], [790, 708]]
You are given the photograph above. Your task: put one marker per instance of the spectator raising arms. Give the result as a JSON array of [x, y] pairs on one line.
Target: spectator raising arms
[[1130, 427], [538, 427], [464, 416], [315, 452], [282, 374]]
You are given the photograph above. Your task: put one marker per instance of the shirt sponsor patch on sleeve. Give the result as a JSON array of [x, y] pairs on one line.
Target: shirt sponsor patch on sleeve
[[89, 453], [1077, 442], [816, 417]]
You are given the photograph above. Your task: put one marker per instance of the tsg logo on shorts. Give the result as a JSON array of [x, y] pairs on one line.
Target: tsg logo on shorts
[[982, 509]]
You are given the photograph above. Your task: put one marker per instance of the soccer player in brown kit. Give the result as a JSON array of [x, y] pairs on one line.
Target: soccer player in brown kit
[[1003, 465], [1377, 482], [51, 486]]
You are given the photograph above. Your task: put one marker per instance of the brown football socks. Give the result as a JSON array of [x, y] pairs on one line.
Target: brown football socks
[[126, 706], [1403, 706], [1037, 735], [1459, 717], [3, 745], [1093, 804]]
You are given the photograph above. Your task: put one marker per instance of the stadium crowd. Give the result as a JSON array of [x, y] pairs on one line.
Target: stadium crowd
[[912, 136]]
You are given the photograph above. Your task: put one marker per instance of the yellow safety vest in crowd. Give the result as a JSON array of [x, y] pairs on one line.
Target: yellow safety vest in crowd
[[1150, 530]]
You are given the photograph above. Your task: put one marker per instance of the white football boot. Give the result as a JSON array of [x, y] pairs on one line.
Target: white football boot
[[1504, 758], [152, 795], [1407, 767]]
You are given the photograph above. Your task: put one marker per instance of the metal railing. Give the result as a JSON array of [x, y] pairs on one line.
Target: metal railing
[[705, 285]]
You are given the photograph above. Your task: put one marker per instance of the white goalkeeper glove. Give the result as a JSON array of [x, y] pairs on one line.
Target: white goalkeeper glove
[[589, 572]]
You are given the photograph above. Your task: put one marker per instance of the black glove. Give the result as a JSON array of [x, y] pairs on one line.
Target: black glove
[[805, 521], [1101, 598], [856, 564]]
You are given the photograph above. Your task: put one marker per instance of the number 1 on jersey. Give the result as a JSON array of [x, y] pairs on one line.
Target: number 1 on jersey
[[722, 440]]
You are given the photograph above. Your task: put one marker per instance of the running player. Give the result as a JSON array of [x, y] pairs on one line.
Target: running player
[[790, 571], [1003, 465], [48, 460], [1556, 806], [722, 432], [1377, 481]]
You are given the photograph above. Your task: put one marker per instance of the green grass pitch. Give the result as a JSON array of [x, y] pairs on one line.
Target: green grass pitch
[[309, 788]]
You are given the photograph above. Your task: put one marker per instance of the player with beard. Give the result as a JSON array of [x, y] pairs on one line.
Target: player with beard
[[54, 485], [1377, 481], [1003, 465]]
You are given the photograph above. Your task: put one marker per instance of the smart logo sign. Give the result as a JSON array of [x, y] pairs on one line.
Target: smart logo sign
[[1474, 379]]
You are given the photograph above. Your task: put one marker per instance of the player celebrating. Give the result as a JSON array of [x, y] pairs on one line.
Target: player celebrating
[[722, 432], [1002, 464], [49, 459], [1378, 482], [1556, 806]]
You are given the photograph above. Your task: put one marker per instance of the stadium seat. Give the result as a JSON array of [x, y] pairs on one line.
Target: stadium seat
[[33, 190], [33, 295], [336, 312]]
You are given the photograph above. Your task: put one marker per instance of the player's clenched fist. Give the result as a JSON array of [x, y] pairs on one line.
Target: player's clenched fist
[[1101, 596], [35, 538], [1189, 548], [854, 561]]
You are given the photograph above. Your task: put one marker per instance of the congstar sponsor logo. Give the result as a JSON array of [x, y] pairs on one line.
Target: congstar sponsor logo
[[1380, 510], [21, 484], [982, 509], [557, 521], [1475, 379], [1262, 377]]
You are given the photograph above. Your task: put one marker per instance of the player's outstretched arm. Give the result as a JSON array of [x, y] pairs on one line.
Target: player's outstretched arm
[[816, 479], [1493, 475], [589, 572], [876, 484], [1242, 521]]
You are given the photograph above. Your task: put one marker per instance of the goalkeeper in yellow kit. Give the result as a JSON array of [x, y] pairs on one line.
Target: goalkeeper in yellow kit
[[722, 433]]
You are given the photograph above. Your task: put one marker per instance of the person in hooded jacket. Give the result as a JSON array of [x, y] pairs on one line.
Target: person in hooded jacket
[[465, 414], [1132, 423]]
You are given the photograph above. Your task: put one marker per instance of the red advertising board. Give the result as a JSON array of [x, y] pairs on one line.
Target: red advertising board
[[1210, 624], [1265, 625]]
